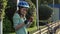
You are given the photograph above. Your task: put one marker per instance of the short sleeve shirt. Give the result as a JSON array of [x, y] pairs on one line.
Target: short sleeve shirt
[[16, 21]]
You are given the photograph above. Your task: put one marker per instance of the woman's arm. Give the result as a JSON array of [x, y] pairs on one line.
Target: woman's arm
[[16, 22], [29, 24], [30, 21], [19, 26]]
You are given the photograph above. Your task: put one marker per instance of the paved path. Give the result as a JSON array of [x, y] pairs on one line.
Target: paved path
[[58, 31]]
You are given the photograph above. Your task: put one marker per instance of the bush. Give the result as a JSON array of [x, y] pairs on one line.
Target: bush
[[6, 25], [9, 11], [7, 21]]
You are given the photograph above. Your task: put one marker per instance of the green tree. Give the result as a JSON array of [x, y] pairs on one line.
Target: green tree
[[9, 12], [32, 11]]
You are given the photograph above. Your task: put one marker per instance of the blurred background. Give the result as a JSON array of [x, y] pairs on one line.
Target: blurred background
[[8, 10], [46, 14]]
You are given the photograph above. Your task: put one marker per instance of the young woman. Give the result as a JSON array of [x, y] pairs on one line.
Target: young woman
[[19, 18]]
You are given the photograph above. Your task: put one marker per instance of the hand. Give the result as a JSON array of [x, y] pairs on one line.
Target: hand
[[31, 19], [26, 21]]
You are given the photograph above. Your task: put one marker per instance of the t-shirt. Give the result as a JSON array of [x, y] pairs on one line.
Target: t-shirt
[[16, 21]]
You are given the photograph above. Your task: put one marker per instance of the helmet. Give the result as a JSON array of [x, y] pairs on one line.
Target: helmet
[[23, 4]]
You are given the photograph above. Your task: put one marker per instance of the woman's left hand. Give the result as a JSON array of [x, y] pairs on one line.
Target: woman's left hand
[[31, 19]]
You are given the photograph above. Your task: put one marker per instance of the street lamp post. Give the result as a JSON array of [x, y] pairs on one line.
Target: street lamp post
[[53, 15], [37, 15], [37, 18]]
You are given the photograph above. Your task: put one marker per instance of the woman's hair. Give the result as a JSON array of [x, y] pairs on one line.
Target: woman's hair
[[19, 8]]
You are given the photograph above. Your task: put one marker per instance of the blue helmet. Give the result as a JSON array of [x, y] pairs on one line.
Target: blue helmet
[[23, 4]]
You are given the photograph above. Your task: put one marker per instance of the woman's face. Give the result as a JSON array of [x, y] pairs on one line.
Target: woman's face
[[23, 11]]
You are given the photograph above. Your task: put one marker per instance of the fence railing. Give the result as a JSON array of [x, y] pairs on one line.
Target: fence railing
[[50, 28]]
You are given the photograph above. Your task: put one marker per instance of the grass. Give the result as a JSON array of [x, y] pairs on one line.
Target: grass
[[9, 33], [12, 33], [29, 29], [32, 29]]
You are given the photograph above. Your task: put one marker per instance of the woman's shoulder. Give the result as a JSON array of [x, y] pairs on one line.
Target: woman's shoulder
[[16, 15]]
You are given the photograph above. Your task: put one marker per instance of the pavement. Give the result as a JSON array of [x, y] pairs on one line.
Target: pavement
[[58, 31]]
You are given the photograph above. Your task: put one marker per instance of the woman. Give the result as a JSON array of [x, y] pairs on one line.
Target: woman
[[19, 19]]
